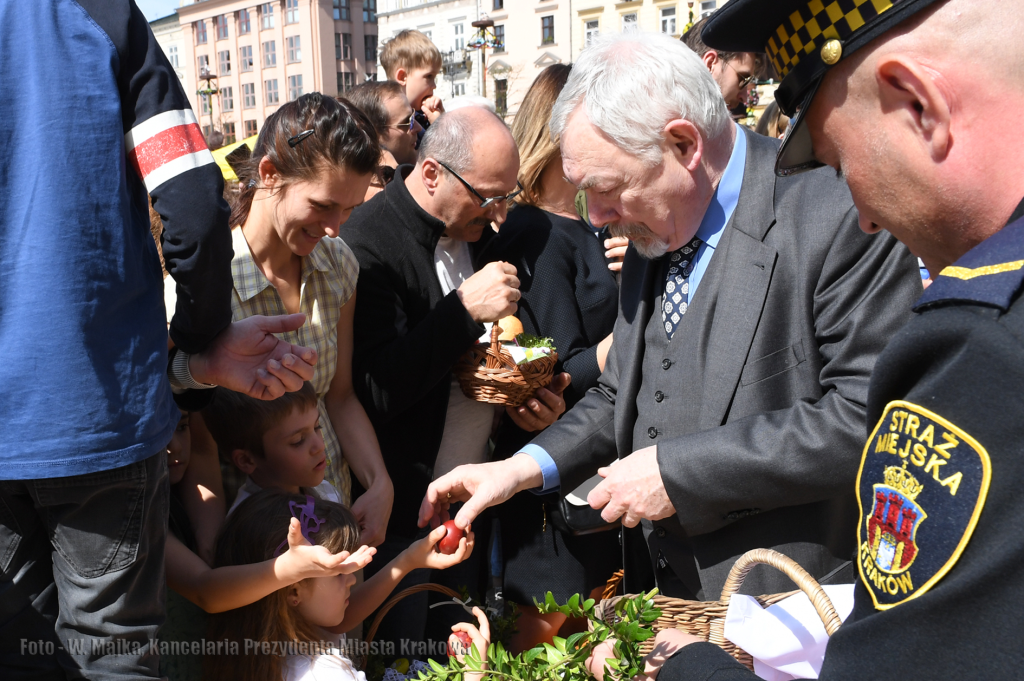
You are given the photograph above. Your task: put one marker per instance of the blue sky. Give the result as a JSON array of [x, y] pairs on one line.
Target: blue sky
[[154, 9]]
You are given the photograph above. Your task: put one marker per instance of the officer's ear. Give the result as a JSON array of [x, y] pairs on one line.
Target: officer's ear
[[905, 86]]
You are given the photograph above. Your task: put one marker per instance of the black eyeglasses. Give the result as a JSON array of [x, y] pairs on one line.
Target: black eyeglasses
[[484, 203], [744, 80]]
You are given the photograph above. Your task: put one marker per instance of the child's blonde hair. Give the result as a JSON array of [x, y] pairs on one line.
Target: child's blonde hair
[[252, 534], [409, 50]]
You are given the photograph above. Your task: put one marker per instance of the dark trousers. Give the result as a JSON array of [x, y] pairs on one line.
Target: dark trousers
[[82, 584]]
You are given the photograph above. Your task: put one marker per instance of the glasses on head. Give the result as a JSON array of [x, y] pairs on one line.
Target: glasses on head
[[484, 203], [744, 80], [406, 125], [382, 176]]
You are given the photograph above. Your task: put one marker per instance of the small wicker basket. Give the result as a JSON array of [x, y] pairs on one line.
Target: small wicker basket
[[487, 373], [706, 619]]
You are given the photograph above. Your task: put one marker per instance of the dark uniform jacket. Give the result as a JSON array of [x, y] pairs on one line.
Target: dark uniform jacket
[[939, 532], [757, 406]]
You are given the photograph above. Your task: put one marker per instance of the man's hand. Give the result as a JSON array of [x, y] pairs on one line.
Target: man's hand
[[632, 488], [615, 251], [667, 643], [479, 485], [544, 408], [246, 357], [432, 108], [373, 510], [491, 294]]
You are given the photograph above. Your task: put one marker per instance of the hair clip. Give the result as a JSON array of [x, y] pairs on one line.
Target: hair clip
[[306, 513], [252, 183], [293, 141]]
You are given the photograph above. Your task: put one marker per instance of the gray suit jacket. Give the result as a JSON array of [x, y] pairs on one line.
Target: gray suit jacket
[[796, 305]]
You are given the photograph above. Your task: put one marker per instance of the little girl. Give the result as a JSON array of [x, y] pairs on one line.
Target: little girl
[[300, 619]]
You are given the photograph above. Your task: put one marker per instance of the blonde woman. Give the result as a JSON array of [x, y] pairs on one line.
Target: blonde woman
[[569, 294]]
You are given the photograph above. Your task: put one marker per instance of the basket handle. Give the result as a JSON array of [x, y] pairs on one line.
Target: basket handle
[[494, 355], [819, 599], [399, 596]]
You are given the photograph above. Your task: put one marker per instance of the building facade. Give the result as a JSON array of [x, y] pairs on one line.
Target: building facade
[[529, 35], [171, 39], [242, 59]]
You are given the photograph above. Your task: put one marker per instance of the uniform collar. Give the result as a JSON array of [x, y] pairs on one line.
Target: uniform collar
[[990, 274], [249, 279]]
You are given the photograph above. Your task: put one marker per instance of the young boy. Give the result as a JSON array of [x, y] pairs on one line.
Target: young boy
[[276, 443], [414, 61]]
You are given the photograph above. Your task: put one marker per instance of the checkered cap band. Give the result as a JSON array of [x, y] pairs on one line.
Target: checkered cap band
[[807, 29]]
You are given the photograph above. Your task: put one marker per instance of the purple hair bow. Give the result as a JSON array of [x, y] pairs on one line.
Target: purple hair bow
[[308, 520]]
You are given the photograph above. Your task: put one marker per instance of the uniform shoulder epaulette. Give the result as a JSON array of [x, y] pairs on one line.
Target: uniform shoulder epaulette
[[990, 274]]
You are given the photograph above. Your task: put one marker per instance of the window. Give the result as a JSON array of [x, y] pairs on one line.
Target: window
[[222, 26], [266, 15], [371, 77], [227, 99], [346, 81], [369, 11], [459, 30], [245, 58], [248, 96], [271, 88], [342, 10], [499, 4], [337, 46], [200, 32], [244, 22], [501, 96], [250, 128], [370, 48], [206, 132], [458, 89], [204, 103], [172, 55], [294, 49], [224, 62], [591, 31], [291, 11], [629, 22], [269, 54], [229, 133], [547, 30], [499, 38], [668, 20], [204, 65], [707, 7], [294, 88], [346, 45]]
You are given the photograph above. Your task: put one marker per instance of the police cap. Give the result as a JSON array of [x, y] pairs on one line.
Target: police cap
[[803, 40]]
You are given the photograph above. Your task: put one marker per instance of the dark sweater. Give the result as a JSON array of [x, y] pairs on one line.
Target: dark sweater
[[407, 337]]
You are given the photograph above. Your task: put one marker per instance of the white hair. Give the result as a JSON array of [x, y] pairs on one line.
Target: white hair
[[469, 100], [632, 84]]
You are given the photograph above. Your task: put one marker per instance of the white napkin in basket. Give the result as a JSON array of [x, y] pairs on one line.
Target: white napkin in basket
[[787, 640]]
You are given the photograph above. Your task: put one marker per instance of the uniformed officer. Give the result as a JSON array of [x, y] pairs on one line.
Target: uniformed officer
[[917, 103]]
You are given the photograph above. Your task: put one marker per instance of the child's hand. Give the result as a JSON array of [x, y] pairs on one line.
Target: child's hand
[[432, 108], [481, 638], [303, 560], [422, 554]]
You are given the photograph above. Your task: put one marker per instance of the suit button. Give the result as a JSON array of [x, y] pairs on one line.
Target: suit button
[[652, 432], [665, 364], [660, 531], [659, 396]]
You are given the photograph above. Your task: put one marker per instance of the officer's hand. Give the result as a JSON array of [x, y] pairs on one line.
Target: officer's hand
[[615, 251], [632, 488]]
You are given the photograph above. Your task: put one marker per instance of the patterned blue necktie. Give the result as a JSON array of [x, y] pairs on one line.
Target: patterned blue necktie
[[677, 285]]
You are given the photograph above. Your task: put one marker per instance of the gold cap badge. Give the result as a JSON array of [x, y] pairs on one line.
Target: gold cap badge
[[831, 52]]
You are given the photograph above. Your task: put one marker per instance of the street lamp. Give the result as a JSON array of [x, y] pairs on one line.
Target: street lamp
[[483, 39], [209, 91], [454, 63]]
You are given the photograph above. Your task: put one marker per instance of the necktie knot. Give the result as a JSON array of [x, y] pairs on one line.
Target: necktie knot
[[677, 285]]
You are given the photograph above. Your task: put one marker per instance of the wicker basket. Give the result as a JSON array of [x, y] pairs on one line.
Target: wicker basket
[[487, 373], [706, 619]]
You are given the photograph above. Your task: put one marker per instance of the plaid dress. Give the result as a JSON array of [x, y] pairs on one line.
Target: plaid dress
[[329, 277]]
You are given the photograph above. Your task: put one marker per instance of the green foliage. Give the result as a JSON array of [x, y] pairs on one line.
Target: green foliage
[[564, 658], [527, 340]]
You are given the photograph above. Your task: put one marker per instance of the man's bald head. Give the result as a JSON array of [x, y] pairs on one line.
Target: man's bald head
[[467, 135], [922, 122]]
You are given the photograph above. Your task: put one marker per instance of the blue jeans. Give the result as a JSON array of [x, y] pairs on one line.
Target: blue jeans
[[82, 584]]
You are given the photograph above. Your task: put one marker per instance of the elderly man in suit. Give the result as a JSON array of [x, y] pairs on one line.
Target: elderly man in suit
[[732, 408]]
